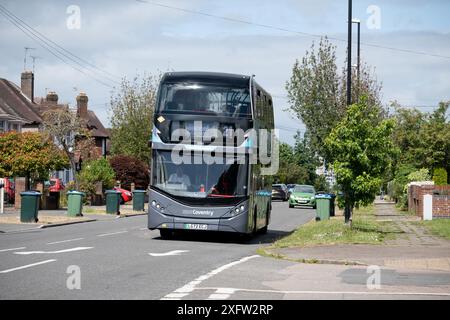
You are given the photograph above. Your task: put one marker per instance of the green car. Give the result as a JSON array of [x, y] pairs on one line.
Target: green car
[[303, 195]]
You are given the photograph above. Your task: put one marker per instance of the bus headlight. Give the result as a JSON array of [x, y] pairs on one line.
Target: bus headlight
[[154, 203]]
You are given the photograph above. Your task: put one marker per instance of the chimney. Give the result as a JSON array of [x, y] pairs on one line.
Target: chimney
[[51, 99], [27, 84], [82, 105]]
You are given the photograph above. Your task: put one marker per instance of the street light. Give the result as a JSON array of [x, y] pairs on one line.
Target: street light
[[358, 68]]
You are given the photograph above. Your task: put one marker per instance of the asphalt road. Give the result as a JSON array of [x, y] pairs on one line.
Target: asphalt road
[[121, 259]]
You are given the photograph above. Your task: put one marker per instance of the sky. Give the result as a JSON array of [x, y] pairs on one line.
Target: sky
[[123, 38]]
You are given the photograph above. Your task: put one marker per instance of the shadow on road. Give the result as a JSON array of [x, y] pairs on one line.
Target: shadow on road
[[226, 237]]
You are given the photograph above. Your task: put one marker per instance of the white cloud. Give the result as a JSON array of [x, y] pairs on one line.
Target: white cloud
[[128, 37]]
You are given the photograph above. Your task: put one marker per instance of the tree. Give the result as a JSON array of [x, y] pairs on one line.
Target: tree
[[317, 93], [130, 170], [440, 176], [29, 155], [360, 150], [69, 131], [313, 92], [96, 171], [131, 117], [423, 139], [305, 157], [290, 171], [436, 139]]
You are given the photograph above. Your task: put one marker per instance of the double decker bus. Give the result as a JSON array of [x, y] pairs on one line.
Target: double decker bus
[[188, 191]]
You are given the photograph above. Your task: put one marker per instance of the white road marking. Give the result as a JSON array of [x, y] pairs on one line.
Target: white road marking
[[4, 250], [188, 288], [385, 293], [28, 266], [170, 253], [111, 234], [54, 252], [222, 294], [175, 296], [64, 241]]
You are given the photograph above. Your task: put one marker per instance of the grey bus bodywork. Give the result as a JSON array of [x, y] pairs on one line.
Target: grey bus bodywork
[[246, 209]]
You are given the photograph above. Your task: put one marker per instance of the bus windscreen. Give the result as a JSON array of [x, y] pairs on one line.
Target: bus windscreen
[[205, 99], [199, 180]]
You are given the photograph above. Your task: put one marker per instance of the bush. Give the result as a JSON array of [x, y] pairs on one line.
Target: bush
[[93, 172], [440, 176], [128, 169]]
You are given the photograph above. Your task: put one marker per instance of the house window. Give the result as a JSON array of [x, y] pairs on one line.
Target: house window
[[14, 127], [2, 126], [67, 176]]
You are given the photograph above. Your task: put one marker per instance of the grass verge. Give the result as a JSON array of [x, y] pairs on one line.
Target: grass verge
[[438, 227], [365, 230]]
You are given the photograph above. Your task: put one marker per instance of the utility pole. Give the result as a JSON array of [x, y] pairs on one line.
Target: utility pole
[[347, 209], [25, 57], [349, 55], [358, 66]]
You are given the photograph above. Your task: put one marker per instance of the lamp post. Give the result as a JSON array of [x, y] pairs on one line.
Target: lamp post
[[358, 66]]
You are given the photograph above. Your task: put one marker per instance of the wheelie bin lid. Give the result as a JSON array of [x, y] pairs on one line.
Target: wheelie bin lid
[[112, 191], [323, 196], [76, 192], [30, 193], [139, 191]]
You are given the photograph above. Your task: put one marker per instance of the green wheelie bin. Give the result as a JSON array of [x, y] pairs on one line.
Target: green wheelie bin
[[138, 200], [75, 203], [323, 207], [113, 201], [29, 206]]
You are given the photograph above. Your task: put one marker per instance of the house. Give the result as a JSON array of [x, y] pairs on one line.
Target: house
[[21, 111], [18, 111], [93, 124]]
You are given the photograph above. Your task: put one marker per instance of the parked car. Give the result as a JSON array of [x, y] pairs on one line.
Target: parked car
[[303, 195], [9, 190], [55, 185], [280, 192], [125, 195]]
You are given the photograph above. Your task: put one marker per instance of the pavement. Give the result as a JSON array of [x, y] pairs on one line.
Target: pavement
[[122, 259], [413, 247], [10, 220]]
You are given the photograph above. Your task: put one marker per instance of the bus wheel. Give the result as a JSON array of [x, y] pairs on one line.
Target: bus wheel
[[263, 230], [166, 233], [255, 222]]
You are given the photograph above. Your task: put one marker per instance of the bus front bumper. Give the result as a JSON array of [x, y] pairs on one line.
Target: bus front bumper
[[238, 223]]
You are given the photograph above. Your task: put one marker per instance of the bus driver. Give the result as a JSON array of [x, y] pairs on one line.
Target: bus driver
[[180, 177]]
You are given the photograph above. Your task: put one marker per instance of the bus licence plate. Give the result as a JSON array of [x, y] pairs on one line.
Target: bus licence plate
[[190, 226]]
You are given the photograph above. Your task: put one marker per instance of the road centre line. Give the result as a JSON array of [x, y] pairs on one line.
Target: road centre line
[[12, 249], [188, 288], [111, 234], [28, 266], [64, 241]]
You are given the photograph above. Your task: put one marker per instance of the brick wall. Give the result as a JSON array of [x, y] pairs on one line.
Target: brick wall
[[441, 200], [19, 186]]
